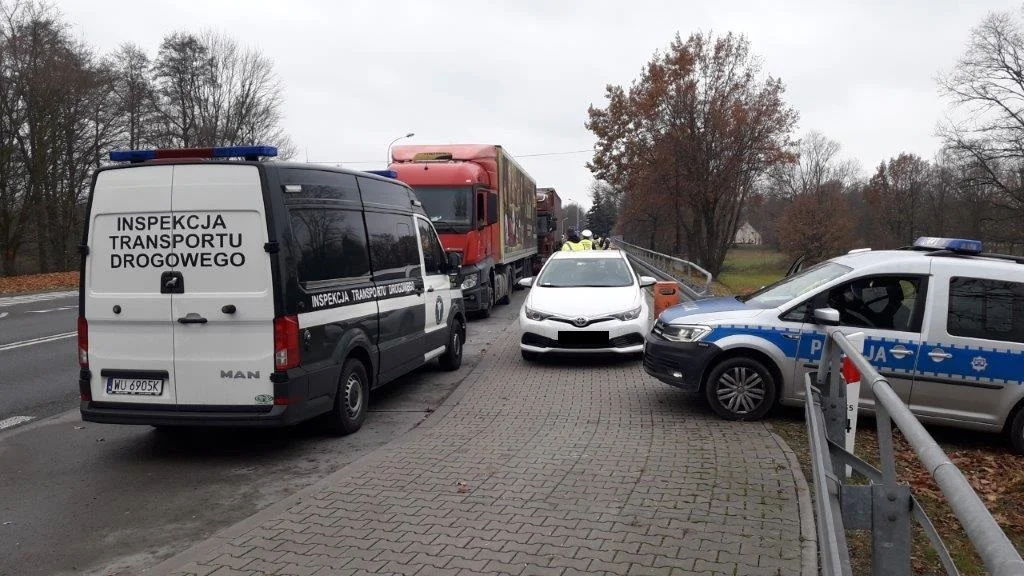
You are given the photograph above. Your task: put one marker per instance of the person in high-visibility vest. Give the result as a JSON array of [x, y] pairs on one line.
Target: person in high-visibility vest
[[573, 244], [588, 240]]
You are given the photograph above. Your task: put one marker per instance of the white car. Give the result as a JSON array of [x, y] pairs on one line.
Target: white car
[[585, 302]]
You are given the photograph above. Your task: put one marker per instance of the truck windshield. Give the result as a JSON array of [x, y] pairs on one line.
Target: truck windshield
[[450, 209]]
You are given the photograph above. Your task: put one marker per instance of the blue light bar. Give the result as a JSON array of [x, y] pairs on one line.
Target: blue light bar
[[247, 152], [385, 173], [952, 244]]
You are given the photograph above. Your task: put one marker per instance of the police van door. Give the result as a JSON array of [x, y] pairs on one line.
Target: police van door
[[438, 290], [127, 299], [223, 317]]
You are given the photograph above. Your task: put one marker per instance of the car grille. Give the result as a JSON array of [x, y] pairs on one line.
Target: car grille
[[573, 322], [633, 339]]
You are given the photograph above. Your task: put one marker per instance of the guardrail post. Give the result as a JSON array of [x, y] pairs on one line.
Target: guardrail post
[[890, 529]]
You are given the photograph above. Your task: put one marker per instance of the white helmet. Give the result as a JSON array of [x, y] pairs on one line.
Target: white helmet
[[588, 234]]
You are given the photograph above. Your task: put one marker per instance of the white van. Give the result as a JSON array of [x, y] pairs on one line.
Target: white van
[[242, 292]]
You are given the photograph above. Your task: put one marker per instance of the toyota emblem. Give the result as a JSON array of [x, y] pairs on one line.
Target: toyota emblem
[[581, 322]]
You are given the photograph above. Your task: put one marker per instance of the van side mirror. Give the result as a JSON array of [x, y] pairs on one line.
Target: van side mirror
[[492, 208], [646, 281], [826, 316], [454, 262], [525, 282]]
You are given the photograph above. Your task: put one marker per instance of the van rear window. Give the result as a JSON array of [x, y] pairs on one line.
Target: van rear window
[[988, 309], [329, 244]]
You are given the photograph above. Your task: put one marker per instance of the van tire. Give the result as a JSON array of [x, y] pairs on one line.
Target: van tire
[[1017, 432], [451, 360], [751, 378], [351, 401]]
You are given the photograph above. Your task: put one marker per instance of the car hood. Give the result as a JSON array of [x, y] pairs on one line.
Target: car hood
[[709, 310], [589, 302]]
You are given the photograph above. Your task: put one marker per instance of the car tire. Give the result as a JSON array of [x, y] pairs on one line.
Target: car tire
[[1017, 432], [451, 360], [530, 356], [740, 388], [351, 401], [507, 298]]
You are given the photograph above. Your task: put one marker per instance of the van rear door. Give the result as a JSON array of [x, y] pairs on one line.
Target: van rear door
[[131, 335], [223, 319]]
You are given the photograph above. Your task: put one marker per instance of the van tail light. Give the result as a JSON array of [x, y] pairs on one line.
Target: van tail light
[[83, 342], [286, 342]]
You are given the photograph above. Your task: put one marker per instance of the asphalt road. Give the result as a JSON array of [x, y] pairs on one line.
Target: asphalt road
[[82, 498]]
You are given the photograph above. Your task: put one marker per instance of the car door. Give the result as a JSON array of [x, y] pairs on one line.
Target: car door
[[970, 365], [224, 315], [129, 287], [888, 309], [398, 280], [438, 301]]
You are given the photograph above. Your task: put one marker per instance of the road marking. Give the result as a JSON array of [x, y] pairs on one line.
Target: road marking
[[14, 421], [35, 341], [53, 310], [3, 314], [31, 298]]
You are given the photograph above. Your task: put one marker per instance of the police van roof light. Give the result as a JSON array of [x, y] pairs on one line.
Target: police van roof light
[[247, 152], [959, 245]]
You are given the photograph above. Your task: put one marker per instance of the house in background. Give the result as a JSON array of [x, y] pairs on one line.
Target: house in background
[[747, 235]]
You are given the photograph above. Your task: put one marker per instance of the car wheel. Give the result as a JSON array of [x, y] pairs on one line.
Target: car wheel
[[530, 356], [451, 360], [507, 298], [1017, 432], [351, 401], [740, 389]]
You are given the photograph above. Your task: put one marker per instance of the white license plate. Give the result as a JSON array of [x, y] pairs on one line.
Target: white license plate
[[135, 386]]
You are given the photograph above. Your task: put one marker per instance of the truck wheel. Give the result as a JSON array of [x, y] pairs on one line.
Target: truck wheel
[[507, 298], [740, 388], [1017, 432], [485, 312], [352, 400], [452, 357]]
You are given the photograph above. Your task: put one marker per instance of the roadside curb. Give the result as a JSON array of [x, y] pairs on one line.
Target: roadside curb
[[808, 534], [201, 550]]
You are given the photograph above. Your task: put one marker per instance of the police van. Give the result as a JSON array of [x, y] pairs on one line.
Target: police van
[[943, 320], [221, 289]]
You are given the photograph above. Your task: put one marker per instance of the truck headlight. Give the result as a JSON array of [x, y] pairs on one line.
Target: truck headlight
[[470, 281], [536, 315], [629, 314], [683, 332]]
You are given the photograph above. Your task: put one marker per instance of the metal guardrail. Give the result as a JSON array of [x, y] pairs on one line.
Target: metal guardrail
[[885, 506], [682, 271]]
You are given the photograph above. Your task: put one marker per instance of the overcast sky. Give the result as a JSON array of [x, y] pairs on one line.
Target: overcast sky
[[522, 73]]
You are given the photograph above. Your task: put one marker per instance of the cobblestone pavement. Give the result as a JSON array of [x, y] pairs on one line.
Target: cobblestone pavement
[[551, 468]]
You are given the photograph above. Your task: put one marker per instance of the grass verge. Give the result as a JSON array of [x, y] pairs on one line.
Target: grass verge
[[38, 282]]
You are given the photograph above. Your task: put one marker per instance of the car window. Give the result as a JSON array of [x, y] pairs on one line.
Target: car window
[[585, 272], [393, 251], [795, 286], [989, 309], [329, 245], [433, 253], [382, 192], [883, 302], [306, 184]]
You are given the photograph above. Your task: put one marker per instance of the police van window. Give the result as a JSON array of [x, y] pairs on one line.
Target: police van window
[[393, 246], [329, 245], [433, 253], [319, 185], [989, 309], [388, 193], [882, 302]]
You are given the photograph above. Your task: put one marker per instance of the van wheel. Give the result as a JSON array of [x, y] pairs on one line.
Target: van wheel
[[1017, 432], [507, 298], [451, 360], [351, 401], [740, 389]]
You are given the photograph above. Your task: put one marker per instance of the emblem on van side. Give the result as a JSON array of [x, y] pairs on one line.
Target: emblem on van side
[[439, 309], [264, 399], [979, 363], [240, 375]]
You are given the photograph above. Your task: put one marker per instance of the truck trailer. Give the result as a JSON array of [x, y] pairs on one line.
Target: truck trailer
[[483, 205], [549, 214]]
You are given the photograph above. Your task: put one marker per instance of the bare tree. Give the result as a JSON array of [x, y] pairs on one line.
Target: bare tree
[[134, 94], [817, 164]]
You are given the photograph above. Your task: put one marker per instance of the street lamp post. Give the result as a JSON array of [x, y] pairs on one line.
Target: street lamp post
[[409, 135]]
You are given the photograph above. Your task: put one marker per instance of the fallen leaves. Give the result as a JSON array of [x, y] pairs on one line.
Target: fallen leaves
[[38, 282]]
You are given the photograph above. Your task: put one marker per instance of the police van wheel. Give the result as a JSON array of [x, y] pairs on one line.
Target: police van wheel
[[740, 389], [351, 401], [1017, 432], [451, 360]]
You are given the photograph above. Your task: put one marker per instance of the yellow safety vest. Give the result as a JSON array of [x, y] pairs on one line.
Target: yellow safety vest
[[587, 244], [572, 246]]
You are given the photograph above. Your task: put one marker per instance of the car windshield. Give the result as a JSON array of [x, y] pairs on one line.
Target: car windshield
[[446, 207], [792, 287], [585, 272]]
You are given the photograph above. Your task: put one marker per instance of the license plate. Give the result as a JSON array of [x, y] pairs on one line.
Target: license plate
[[135, 386], [589, 339]]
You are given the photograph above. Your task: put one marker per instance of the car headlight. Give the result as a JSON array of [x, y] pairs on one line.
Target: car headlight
[[470, 281], [682, 332], [629, 314], [536, 315]]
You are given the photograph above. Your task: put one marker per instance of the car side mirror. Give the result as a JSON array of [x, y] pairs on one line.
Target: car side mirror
[[525, 282], [646, 281], [826, 316]]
